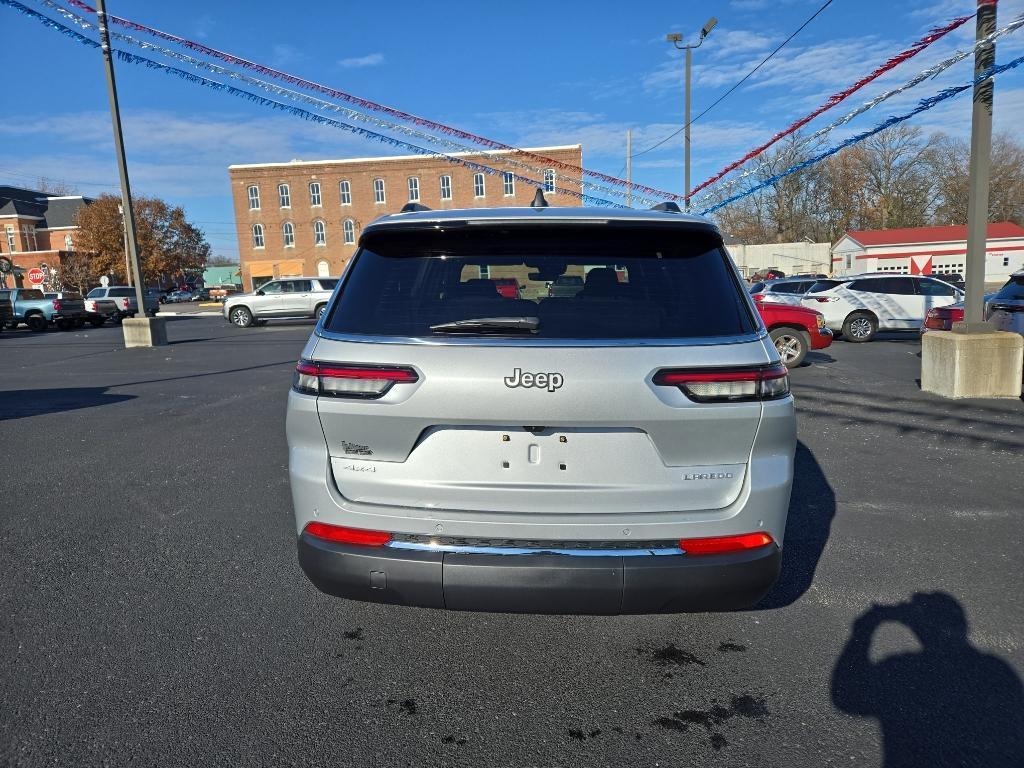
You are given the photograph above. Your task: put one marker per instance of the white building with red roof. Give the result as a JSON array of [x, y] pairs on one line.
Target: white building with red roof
[[928, 250]]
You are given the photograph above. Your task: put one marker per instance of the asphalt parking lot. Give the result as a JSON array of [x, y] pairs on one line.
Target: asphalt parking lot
[[153, 611]]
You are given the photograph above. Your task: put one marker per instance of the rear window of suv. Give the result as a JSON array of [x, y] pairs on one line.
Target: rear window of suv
[[638, 282]]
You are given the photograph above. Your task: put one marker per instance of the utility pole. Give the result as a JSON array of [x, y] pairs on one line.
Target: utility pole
[[978, 177], [629, 168], [676, 38], [154, 333], [976, 360]]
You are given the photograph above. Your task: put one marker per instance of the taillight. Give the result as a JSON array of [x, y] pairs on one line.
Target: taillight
[[823, 299], [124, 303], [719, 545], [56, 305], [758, 297], [727, 385], [340, 534], [343, 380]]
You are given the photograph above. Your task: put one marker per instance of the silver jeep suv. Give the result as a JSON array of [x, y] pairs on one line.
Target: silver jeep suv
[[292, 297], [626, 449]]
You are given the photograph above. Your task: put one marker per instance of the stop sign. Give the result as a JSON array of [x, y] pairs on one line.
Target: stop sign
[[36, 276]]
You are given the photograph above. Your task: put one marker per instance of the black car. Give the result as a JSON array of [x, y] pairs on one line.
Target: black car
[[953, 278], [201, 294]]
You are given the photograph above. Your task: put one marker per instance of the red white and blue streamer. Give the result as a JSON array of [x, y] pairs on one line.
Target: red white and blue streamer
[[374, 106], [836, 98], [328, 106], [296, 111], [726, 186], [922, 106]]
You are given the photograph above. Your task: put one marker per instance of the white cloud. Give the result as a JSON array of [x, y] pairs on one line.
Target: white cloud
[[282, 55], [370, 60]]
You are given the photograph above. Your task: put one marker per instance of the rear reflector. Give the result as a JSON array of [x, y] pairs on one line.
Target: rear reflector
[[727, 385], [339, 534], [344, 380], [719, 545], [758, 297]]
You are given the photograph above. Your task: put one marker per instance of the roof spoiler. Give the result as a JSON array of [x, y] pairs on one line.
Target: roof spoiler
[[668, 207], [413, 207], [538, 200]]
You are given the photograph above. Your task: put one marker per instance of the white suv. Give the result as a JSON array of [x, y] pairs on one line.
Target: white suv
[[859, 307], [293, 297]]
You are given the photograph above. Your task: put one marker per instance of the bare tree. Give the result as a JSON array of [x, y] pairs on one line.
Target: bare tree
[[55, 187]]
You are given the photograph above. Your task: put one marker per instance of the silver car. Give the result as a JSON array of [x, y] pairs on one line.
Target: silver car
[[783, 290], [292, 297], [627, 449]]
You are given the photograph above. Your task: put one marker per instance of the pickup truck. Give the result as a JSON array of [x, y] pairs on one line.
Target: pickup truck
[[794, 330], [124, 297], [36, 311], [6, 313]]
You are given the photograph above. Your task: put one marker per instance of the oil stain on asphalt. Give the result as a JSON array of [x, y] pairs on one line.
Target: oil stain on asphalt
[[745, 706]]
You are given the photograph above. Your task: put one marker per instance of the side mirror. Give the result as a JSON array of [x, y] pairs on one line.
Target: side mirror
[[260, 292]]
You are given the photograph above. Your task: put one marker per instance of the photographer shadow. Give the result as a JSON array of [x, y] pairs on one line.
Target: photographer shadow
[[948, 704]]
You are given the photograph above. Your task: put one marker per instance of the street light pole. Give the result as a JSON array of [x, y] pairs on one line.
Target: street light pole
[[676, 38], [153, 334], [686, 132]]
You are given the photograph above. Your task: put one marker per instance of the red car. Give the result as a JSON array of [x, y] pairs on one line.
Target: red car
[[794, 330], [942, 318], [507, 286]]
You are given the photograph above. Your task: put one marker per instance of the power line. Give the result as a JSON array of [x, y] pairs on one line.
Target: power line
[[738, 84]]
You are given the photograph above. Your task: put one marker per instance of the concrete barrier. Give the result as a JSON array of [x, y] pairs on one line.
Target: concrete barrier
[[976, 365]]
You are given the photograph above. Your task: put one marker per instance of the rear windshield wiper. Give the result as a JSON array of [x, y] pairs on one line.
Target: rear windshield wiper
[[489, 325]]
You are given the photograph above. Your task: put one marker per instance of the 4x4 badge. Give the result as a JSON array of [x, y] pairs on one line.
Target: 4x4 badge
[[548, 381]]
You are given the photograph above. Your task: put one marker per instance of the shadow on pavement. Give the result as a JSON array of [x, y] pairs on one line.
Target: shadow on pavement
[[811, 509], [24, 403], [946, 705]]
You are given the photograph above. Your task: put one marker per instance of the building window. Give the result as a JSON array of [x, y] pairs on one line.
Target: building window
[[254, 198], [1006, 261], [849, 261], [288, 232], [257, 235], [478, 185], [11, 242], [314, 193], [485, 271], [284, 196], [28, 233], [446, 187], [549, 180], [414, 189], [509, 183], [349, 228], [378, 191], [319, 233], [346, 193], [323, 269], [69, 244]]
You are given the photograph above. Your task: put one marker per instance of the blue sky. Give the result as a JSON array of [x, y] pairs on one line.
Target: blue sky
[[527, 74]]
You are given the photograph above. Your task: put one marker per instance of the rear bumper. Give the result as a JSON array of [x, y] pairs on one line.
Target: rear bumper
[[540, 583]]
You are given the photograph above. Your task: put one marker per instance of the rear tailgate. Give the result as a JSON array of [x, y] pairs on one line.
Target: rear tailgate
[[462, 438]]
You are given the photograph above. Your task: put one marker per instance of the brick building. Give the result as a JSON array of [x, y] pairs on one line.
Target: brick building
[[304, 217], [37, 229]]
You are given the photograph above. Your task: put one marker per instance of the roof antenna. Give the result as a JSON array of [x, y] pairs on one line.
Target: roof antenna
[[538, 199]]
